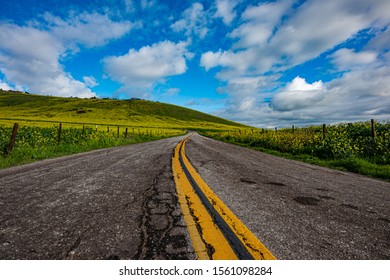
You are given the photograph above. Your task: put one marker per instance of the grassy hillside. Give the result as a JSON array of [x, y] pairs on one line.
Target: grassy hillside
[[134, 113]]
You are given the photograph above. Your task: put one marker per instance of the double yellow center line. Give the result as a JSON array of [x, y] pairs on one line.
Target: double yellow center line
[[216, 233]]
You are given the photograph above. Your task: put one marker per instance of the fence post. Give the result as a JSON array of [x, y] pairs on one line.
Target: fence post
[[276, 129], [324, 130], [59, 134], [126, 133], [13, 138], [108, 129], [83, 134], [373, 133], [293, 129], [118, 132]]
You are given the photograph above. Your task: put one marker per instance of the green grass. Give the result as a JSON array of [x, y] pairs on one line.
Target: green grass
[[46, 110], [347, 147], [27, 153], [39, 116]]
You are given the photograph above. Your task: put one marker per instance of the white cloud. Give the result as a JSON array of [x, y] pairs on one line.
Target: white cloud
[[381, 41], [88, 29], [235, 61], [357, 95], [298, 94], [5, 86], [260, 23], [225, 10], [276, 36], [313, 28], [318, 26], [193, 22], [346, 59], [29, 59], [29, 44], [30, 55], [142, 69], [90, 81]]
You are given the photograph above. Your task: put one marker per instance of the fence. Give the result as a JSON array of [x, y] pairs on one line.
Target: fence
[[369, 140], [58, 134]]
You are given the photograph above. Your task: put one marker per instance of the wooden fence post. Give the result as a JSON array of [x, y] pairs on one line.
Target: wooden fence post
[[324, 130], [59, 134], [108, 129], [13, 138], [373, 133], [117, 135], [293, 129], [126, 133], [83, 133]]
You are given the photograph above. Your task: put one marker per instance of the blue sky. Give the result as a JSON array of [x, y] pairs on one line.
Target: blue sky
[[263, 63]]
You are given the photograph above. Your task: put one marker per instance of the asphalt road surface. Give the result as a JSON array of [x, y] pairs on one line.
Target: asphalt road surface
[[121, 203], [117, 203], [299, 211]]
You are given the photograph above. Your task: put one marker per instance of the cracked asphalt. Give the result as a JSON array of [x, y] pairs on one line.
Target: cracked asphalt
[[299, 211], [117, 203], [121, 203]]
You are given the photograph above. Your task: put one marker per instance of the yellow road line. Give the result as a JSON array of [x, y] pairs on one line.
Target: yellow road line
[[207, 239], [201, 225]]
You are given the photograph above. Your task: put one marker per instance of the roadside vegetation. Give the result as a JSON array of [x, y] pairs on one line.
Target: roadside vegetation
[[22, 107], [352, 147], [34, 143], [39, 118], [88, 124]]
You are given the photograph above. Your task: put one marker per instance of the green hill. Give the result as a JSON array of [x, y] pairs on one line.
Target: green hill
[[18, 106]]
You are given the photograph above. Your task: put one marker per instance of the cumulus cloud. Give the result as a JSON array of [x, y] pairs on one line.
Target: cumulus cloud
[[5, 86], [260, 22], [139, 70], [237, 63], [88, 29], [30, 59], [347, 59], [355, 96], [193, 21], [276, 36], [318, 26], [298, 94], [30, 55], [90, 81], [225, 10], [313, 28]]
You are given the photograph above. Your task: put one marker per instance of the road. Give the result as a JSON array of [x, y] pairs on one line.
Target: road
[[122, 203], [115, 203]]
